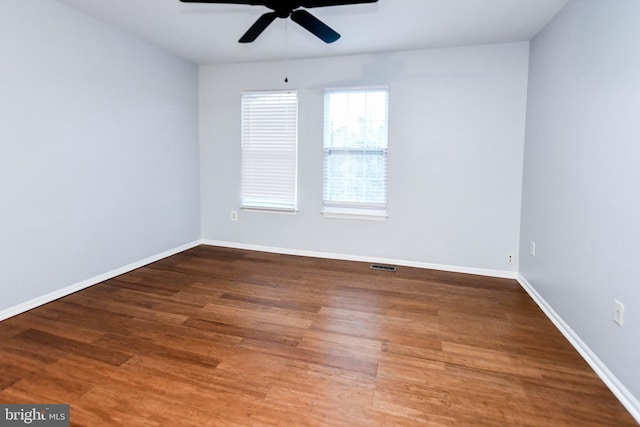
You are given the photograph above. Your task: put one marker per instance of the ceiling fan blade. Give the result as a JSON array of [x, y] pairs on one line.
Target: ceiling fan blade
[[314, 25], [258, 27], [322, 3]]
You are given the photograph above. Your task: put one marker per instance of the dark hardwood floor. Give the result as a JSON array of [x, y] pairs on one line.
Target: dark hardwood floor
[[222, 337]]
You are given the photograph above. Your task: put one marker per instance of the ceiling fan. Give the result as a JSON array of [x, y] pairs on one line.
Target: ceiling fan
[[286, 9]]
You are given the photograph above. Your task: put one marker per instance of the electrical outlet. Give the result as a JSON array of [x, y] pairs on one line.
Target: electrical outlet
[[532, 248], [618, 312], [234, 216], [509, 259]]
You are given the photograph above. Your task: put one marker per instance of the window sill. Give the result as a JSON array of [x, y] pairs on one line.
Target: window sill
[[270, 210], [359, 214]]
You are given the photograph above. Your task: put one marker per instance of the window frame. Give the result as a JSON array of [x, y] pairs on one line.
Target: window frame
[[250, 197], [354, 209]]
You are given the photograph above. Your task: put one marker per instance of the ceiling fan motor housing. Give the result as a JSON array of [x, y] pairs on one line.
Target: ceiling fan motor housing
[[283, 8]]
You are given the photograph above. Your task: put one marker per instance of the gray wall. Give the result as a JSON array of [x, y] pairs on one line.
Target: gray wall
[[580, 203], [98, 150], [455, 155]]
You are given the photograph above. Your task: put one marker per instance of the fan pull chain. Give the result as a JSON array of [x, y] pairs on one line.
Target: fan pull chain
[[286, 49]]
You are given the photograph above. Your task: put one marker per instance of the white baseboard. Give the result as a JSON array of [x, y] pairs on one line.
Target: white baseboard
[[52, 296], [504, 274], [617, 388]]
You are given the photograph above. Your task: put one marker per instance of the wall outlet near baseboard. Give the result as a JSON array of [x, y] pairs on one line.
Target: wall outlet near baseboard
[[509, 259], [618, 312], [234, 216]]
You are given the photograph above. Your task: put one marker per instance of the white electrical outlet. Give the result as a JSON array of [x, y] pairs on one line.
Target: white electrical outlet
[[234, 216], [532, 248], [618, 312], [509, 259]]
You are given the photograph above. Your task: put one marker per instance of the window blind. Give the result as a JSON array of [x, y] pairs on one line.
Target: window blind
[[269, 150], [355, 148]]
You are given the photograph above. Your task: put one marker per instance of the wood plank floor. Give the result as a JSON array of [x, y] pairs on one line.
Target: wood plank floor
[[222, 337]]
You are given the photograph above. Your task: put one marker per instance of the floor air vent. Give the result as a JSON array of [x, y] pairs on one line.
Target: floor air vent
[[382, 267]]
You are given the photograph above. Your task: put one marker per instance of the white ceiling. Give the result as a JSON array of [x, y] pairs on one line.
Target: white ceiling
[[209, 33]]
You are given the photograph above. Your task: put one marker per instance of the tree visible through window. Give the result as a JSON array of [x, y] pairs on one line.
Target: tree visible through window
[[355, 151]]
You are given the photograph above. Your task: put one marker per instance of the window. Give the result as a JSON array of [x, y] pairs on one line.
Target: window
[[355, 152], [269, 150]]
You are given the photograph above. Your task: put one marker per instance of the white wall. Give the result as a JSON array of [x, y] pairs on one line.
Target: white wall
[[581, 204], [98, 150], [455, 163]]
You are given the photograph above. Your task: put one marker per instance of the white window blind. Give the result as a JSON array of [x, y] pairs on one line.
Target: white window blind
[[269, 150], [355, 151]]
